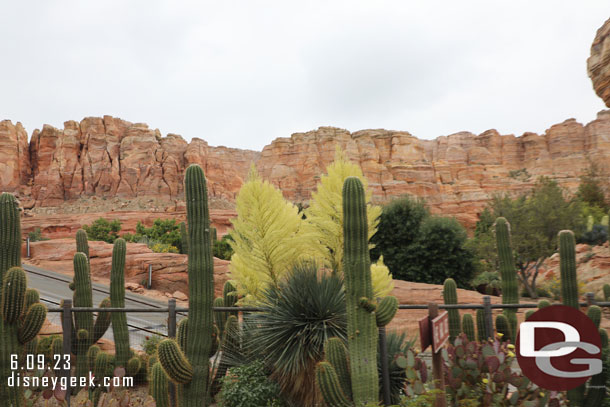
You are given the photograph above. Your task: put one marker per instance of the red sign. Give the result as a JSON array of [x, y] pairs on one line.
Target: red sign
[[440, 331], [424, 332]]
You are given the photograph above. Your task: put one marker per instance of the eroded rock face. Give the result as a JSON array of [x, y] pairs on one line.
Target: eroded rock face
[[598, 64], [107, 157]]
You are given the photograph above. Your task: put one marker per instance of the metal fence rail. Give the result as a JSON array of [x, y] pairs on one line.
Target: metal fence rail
[[172, 312]]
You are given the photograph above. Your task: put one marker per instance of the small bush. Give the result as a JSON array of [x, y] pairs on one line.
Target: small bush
[[150, 344], [249, 386], [104, 230], [163, 248], [222, 248], [489, 281], [36, 236], [164, 231]]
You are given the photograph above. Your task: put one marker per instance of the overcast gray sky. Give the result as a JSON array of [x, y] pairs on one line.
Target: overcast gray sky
[[241, 73]]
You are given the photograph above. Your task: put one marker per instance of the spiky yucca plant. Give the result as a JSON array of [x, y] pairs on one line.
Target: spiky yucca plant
[[297, 317]]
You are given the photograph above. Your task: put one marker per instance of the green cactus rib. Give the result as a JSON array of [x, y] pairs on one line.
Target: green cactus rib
[[328, 384], [159, 386], [508, 274], [606, 292], [468, 326], [450, 297], [13, 290], [336, 355], [117, 300], [82, 243], [102, 365], [481, 336], [201, 288], [175, 364], [102, 322], [386, 309], [213, 234], [184, 238], [361, 325], [567, 267], [503, 327], [33, 321], [31, 297]]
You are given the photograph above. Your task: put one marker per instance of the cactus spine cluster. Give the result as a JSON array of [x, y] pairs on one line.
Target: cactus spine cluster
[[353, 380], [450, 297], [191, 368], [510, 288], [18, 325]]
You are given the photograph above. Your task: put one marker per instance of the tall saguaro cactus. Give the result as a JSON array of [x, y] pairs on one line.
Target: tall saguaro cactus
[[567, 269], [360, 384], [191, 368], [117, 299], [510, 288], [18, 325]]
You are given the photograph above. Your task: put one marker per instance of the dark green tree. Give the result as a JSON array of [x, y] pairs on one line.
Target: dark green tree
[[418, 247], [590, 189], [535, 219]]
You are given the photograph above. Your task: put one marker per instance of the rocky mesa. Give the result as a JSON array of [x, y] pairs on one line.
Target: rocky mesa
[[107, 157]]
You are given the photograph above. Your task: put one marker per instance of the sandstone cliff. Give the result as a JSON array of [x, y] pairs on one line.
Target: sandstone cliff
[[110, 157], [598, 64]]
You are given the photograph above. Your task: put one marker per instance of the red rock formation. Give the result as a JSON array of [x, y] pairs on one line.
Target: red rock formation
[[598, 64], [101, 158]]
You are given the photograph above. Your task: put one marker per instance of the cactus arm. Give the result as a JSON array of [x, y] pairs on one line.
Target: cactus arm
[[13, 295], [82, 292], [361, 324], [386, 309], [31, 297], [102, 322], [174, 363], [503, 327], [33, 321]]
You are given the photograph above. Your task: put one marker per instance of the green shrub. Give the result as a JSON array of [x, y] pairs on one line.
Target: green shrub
[[249, 386], [596, 236], [163, 248], [222, 248], [36, 236], [164, 231], [419, 247], [490, 280], [104, 230], [299, 315], [150, 344]]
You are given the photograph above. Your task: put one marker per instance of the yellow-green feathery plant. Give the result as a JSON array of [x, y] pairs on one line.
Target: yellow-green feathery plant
[[269, 238], [325, 219]]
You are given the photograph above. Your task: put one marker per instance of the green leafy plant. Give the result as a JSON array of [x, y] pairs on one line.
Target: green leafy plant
[[297, 317], [151, 343], [222, 247], [249, 386], [487, 282], [104, 230]]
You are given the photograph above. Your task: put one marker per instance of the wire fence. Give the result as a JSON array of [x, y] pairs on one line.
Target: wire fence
[[144, 322]]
